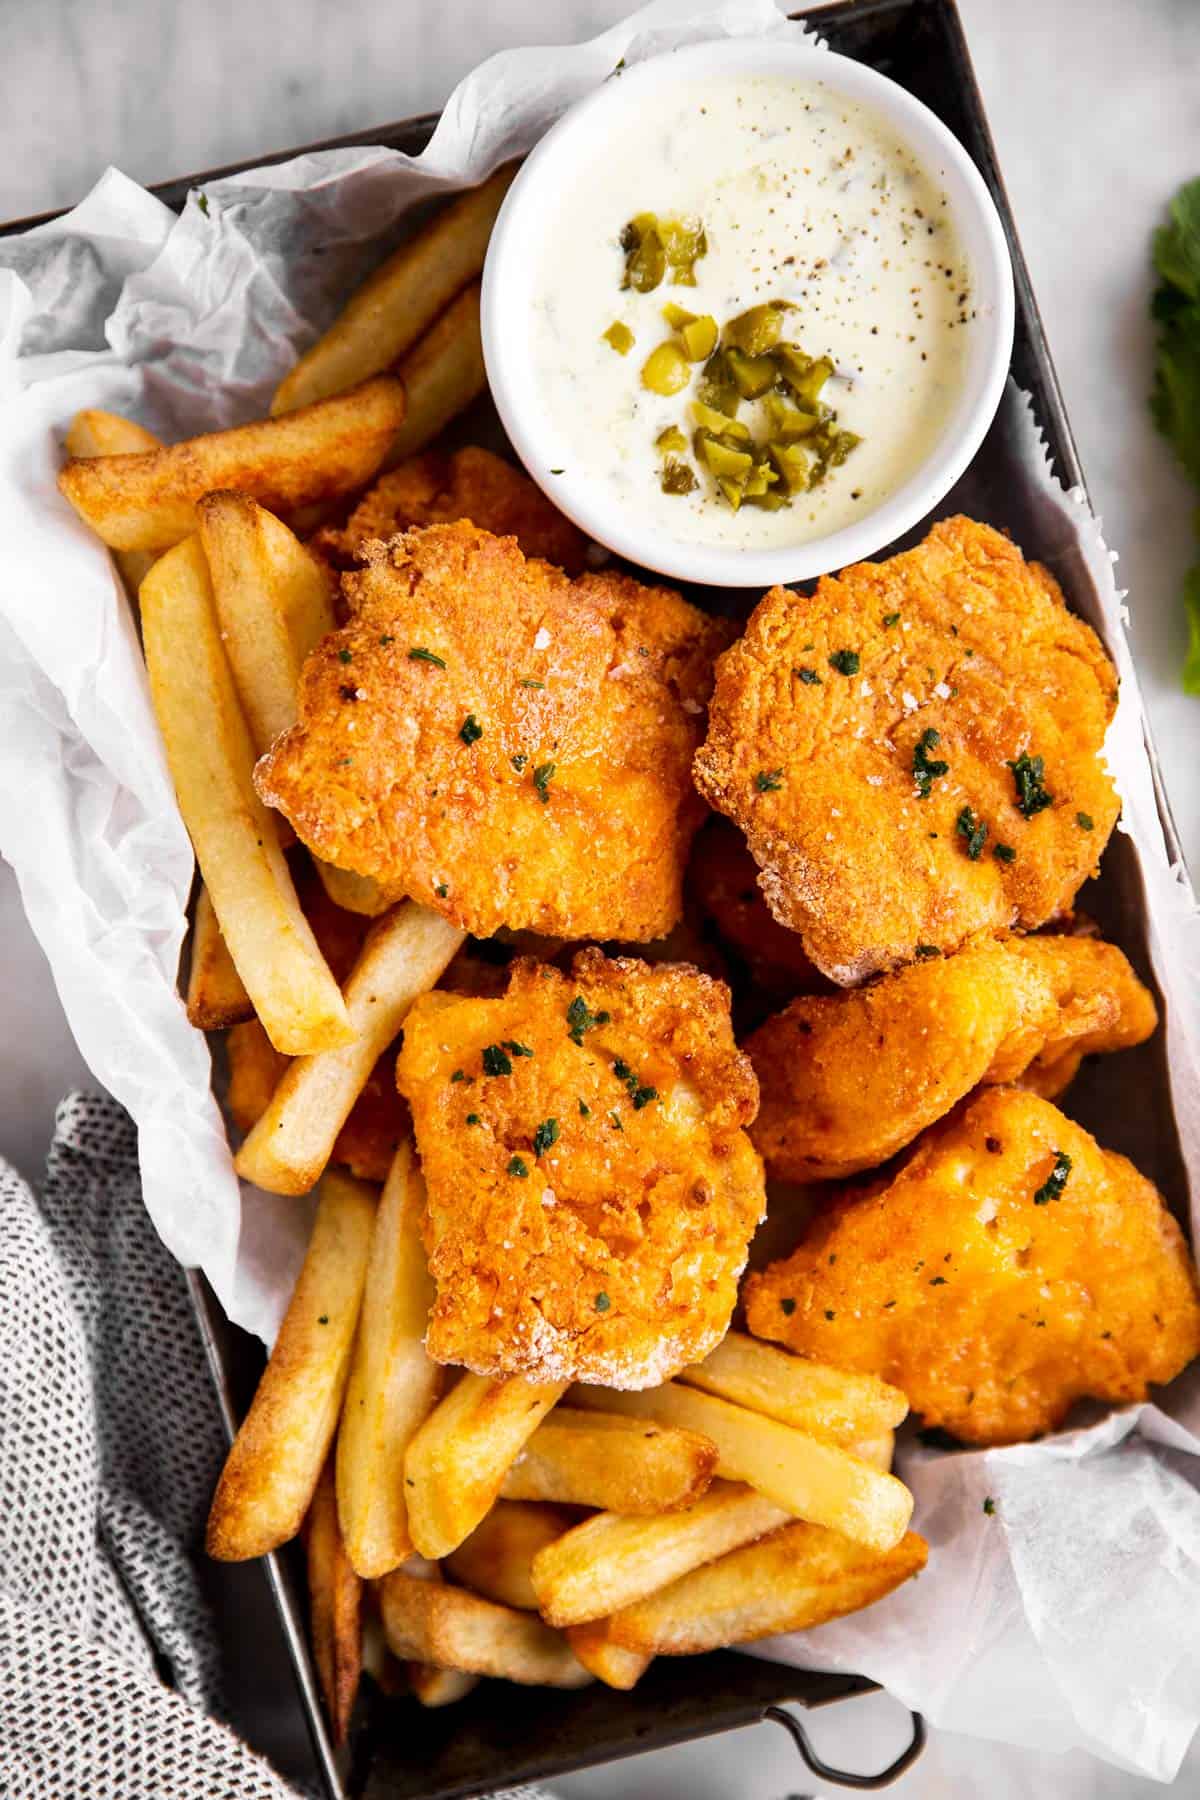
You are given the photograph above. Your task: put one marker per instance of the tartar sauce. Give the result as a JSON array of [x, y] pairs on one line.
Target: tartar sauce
[[805, 197]]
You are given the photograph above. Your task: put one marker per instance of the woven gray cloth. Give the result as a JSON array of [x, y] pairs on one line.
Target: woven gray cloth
[[110, 1445]]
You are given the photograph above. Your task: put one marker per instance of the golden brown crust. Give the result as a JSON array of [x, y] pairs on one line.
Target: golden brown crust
[[850, 1078], [980, 649], [572, 813], [472, 484], [992, 1310], [615, 1257]]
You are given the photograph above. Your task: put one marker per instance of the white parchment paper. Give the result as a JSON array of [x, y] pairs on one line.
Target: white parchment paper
[[1063, 1617]]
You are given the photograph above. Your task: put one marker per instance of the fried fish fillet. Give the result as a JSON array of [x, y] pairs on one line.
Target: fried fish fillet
[[503, 744], [1009, 1269], [591, 1188], [723, 876], [434, 489], [914, 752], [849, 1078]]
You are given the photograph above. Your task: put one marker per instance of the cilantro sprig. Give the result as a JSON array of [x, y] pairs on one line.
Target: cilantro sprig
[[1175, 396]]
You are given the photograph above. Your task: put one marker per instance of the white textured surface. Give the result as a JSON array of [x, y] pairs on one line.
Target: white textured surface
[[1095, 109]]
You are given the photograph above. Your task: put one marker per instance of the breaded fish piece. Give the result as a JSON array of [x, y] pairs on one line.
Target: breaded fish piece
[[914, 753], [723, 876], [434, 489], [503, 744], [1010, 1268], [591, 1187], [847, 1079]]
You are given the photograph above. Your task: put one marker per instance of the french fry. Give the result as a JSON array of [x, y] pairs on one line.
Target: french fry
[[457, 1461], [255, 1071], [496, 1559], [400, 300], [811, 1479], [610, 1663], [878, 1450], [442, 375], [798, 1577], [431, 1623], [216, 993], [97, 433], [439, 1687], [274, 603], [609, 1562], [211, 757], [403, 956], [607, 1460], [148, 501], [335, 1608], [272, 1470], [393, 1384], [826, 1402]]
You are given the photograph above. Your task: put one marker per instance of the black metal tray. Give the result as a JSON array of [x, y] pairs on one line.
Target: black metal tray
[[502, 1735]]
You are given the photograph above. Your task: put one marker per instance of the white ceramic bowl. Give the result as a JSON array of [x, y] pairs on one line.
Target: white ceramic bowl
[[509, 293]]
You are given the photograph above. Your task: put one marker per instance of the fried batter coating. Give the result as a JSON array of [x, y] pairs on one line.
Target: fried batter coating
[[723, 876], [591, 1189], [1010, 1268], [505, 745], [847, 1079], [434, 489], [914, 752]]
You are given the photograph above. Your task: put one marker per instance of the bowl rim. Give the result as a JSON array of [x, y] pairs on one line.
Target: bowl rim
[[585, 499]]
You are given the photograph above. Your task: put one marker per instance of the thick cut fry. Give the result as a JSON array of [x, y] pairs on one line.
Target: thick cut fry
[[442, 375], [273, 1468], [810, 1479], [274, 603], [148, 502], [403, 956], [439, 1687], [216, 993], [829, 1403], [237, 846], [497, 1558], [606, 1460], [96, 433], [400, 300], [610, 1663], [456, 1630], [609, 1562], [458, 1460], [796, 1578], [335, 1608], [393, 1385], [878, 1450]]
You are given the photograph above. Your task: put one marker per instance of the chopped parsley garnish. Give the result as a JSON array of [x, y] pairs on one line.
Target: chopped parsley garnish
[[585, 1111], [927, 769], [343, 762], [602, 1303], [1085, 821], [846, 662], [202, 201], [622, 1070], [517, 1166], [517, 1049], [525, 682], [890, 619], [769, 781], [989, 1506], [809, 677], [386, 639], [1032, 794], [614, 1120], [418, 653], [442, 889], [973, 830], [519, 760], [459, 1075], [344, 656], [923, 952], [472, 1118], [581, 1018], [1056, 1180], [787, 1306], [543, 775], [829, 1313], [470, 731], [545, 1136], [937, 1281], [495, 1062], [1004, 853], [642, 1096]]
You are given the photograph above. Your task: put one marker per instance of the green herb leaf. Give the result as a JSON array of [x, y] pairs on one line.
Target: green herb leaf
[[387, 638], [809, 677], [418, 653], [532, 684], [459, 1075], [846, 662], [1004, 853], [495, 1062], [344, 656], [927, 769], [543, 775], [442, 889], [1032, 794], [470, 731], [973, 830], [989, 1506], [585, 1111], [1085, 821], [517, 1166], [517, 1049], [890, 619], [1056, 1180], [519, 760], [581, 1018], [787, 1306], [642, 1096], [769, 781], [602, 1302], [472, 1118], [923, 952], [545, 1136]]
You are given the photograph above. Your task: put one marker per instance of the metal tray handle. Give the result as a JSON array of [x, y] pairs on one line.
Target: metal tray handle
[[844, 1777]]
